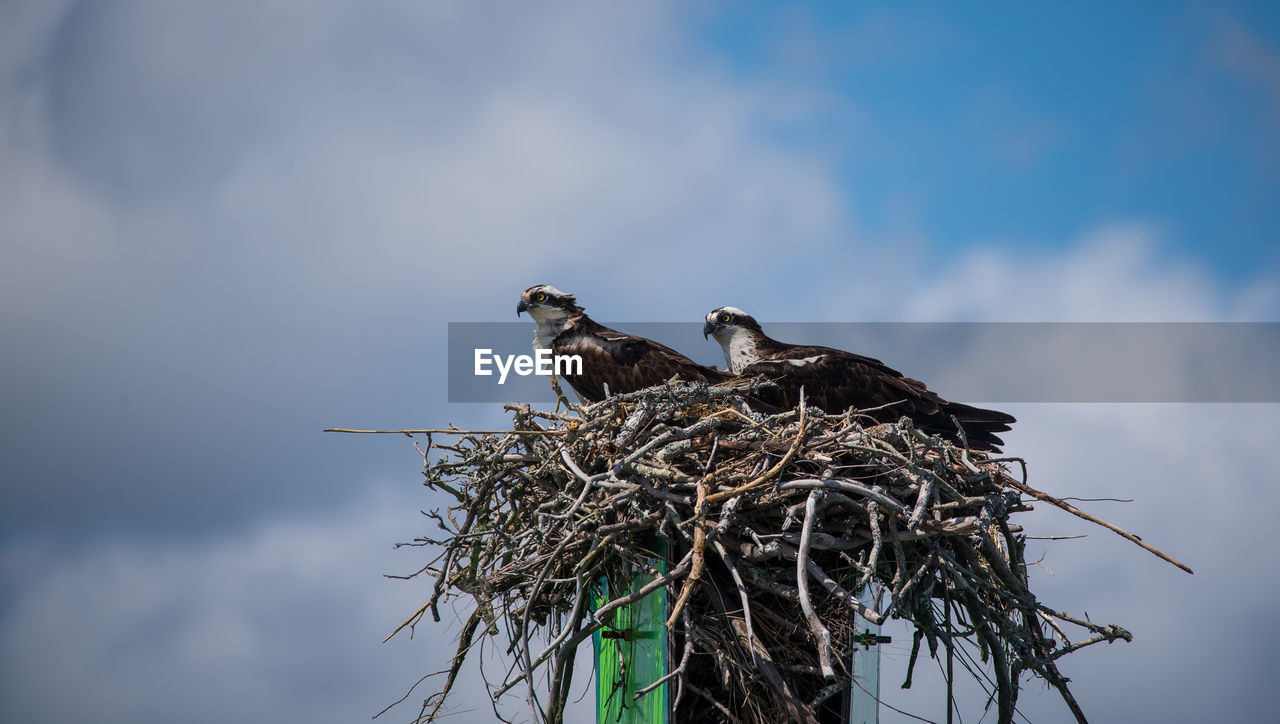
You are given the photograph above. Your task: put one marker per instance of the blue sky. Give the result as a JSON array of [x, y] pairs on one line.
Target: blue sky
[[1012, 124], [225, 227]]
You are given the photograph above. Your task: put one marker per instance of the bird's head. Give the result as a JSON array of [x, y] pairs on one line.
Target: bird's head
[[726, 322], [544, 302], [738, 334]]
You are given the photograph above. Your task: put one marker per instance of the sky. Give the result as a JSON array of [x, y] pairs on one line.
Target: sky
[[225, 227]]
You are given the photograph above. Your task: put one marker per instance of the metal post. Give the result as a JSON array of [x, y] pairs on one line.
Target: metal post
[[864, 695]]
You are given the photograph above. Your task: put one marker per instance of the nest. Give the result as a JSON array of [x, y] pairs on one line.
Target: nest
[[761, 531]]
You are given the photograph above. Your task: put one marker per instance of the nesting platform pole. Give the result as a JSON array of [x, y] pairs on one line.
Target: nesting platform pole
[[631, 653]]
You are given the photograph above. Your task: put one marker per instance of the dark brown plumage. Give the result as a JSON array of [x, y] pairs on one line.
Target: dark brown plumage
[[624, 362], [836, 380]]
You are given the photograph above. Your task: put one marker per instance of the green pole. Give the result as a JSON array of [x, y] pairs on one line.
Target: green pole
[[631, 652]]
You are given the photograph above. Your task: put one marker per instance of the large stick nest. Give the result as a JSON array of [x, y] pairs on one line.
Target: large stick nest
[[772, 525]]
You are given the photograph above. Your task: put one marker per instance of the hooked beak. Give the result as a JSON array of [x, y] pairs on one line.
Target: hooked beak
[[709, 328], [521, 306]]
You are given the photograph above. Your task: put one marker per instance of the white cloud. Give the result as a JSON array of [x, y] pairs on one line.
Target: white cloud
[[1112, 273], [460, 151]]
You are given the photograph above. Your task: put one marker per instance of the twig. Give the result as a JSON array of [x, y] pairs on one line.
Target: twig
[[795, 447], [1023, 487], [449, 432], [802, 583]]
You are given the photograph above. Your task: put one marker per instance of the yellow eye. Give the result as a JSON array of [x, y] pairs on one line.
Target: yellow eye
[[539, 297], [724, 318]]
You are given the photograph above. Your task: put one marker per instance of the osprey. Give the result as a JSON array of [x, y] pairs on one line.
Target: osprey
[[835, 381], [624, 362]]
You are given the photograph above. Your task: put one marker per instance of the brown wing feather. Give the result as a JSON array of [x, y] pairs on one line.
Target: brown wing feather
[[839, 380], [835, 383], [624, 362]]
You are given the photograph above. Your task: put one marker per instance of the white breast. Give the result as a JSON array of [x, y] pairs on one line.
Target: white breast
[[739, 351], [550, 324]]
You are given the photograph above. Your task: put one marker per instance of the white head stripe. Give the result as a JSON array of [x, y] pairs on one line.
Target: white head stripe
[[804, 361], [551, 290], [722, 310]]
